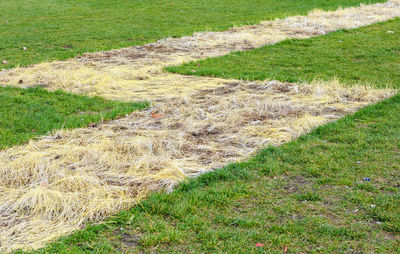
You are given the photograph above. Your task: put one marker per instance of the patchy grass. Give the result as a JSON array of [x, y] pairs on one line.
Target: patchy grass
[[58, 29], [309, 195], [29, 113], [366, 55]]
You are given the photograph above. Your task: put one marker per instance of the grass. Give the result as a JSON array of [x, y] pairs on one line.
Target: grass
[[334, 190], [58, 29], [29, 113], [368, 55], [310, 195]]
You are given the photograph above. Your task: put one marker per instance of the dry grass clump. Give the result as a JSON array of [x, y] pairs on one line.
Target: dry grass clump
[[136, 73], [52, 186]]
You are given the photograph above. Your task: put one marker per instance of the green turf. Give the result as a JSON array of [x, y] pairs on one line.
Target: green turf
[[29, 113], [368, 55], [311, 195], [59, 29]]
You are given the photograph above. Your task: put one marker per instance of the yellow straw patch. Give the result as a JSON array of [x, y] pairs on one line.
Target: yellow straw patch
[[52, 186], [136, 73]]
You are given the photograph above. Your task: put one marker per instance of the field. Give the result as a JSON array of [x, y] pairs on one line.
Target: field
[[76, 27], [281, 136]]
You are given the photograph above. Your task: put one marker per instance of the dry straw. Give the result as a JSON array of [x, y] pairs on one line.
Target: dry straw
[[136, 73], [52, 186]]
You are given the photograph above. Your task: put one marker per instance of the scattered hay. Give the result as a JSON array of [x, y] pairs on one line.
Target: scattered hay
[[52, 186], [136, 73]]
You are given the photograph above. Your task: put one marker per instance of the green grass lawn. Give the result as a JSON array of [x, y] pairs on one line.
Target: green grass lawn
[[29, 113], [368, 55], [335, 190], [59, 29]]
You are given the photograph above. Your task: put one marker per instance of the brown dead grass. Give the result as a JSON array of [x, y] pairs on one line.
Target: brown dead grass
[[52, 186], [136, 73]]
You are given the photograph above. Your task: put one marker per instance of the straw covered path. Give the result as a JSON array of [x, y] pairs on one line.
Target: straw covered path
[[136, 73], [52, 186]]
